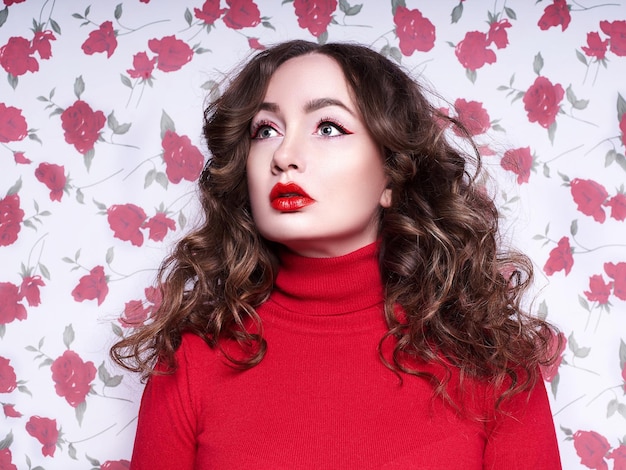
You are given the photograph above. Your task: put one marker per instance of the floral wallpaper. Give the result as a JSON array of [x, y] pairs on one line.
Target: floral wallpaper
[[100, 145]]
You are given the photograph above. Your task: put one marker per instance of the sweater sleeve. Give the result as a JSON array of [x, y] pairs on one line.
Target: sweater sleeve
[[523, 438], [166, 426]]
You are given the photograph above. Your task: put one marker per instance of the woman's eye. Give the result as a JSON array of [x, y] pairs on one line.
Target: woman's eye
[[264, 132], [329, 129]]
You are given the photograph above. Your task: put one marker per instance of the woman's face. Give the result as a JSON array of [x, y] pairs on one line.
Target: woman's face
[[315, 175]]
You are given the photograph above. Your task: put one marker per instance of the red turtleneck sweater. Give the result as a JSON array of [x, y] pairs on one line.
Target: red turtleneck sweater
[[322, 399]]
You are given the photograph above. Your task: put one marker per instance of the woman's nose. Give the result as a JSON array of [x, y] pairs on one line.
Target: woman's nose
[[288, 155]]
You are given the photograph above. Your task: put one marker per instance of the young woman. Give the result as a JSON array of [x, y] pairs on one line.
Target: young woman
[[345, 304]]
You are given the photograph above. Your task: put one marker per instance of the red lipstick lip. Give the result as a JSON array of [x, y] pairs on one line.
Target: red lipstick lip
[[289, 197]]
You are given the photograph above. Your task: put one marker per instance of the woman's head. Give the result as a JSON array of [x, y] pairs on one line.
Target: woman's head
[[390, 105]]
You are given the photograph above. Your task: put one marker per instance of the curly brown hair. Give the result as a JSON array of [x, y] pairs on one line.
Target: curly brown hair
[[441, 258]]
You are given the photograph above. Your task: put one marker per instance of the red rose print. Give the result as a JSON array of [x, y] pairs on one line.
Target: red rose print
[[415, 32], [142, 66], [115, 465], [12, 2], [598, 290], [497, 33], [589, 197], [125, 220], [596, 47], [616, 30], [254, 43], [519, 161], [20, 159], [241, 14], [30, 290], [314, 15], [92, 286], [10, 308], [210, 12], [617, 272], [182, 159], [11, 216], [172, 53], [560, 258], [53, 177], [45, 431], [619, 457], [555, 15], [473, 116], [6, 459], [8, 379], [101, 40], [15, 57], [541, 101], [624, 378], [72, 377], [82, 125], [134, 314], [10, 412], [153, 295], [41, 44], [618, 206], [158, 226], [622, 128], [13, 126], [591, 447], [549, 372], [472, 51]]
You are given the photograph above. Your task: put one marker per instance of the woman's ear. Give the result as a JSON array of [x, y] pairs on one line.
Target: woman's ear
[[385, 198]]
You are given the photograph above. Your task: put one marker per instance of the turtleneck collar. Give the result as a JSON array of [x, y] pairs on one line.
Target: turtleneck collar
[[329, 286]]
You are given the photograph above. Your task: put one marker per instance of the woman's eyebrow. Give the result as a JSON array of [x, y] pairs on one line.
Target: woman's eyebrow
[[320, 103]]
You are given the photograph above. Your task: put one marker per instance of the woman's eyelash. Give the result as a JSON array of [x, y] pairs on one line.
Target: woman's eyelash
[[334, 123], [256, 127]]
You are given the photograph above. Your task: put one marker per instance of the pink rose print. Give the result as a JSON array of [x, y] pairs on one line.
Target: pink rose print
[[589, 197], [473, 116], [158, 226], [622, 128], [241, 14], [101, 40], [254, 43], [617, 272], [92, 286], [13, 126], [541, 101], [598, 290], [115, 465], [415, 32], [8, 379], [6, 459], [41, 43], [11, 216], [519, 161], [125, 220], [591, 447], [314, 15], [15, 57], [616, 30], [472, 51], [560, 258], [596, 47], [172, 53], [82, 125], [10, 411], [182, 159], [142, 66], [618, 206], [45, 431], [549, 372], [619, 457], [72, 377], [497, 33], [20, 159], [556, 14], [10, 308], [210, 12], [136, 311], [30, 290], [53, 177]]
